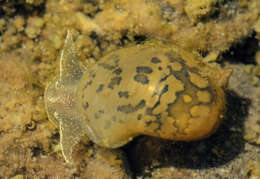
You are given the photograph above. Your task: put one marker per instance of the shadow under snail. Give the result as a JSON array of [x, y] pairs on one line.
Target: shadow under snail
[[153, 89]]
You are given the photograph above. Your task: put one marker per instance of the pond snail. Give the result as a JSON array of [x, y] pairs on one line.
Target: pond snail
[[151, 89]]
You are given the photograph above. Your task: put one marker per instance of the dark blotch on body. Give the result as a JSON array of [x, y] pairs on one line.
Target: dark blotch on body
[[141, 78], [149, 111], [126, 108], [155, 60], [101, 111], [172, 59], [100, 88], [144, 69], [98, 114], [157, 121], [140, 105], [114, 81], [148, 123], [139, 117], [164, 78], [86, 105], [93, 75], [129, 108], [118, 71], [116, 59], [123, 94], [106, 66], [164, 90], [88, 84]]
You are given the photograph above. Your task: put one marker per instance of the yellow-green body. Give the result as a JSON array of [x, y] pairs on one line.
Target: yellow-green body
[[149, 89]]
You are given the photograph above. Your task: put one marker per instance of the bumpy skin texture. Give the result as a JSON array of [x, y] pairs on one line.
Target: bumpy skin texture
[[149, 89]]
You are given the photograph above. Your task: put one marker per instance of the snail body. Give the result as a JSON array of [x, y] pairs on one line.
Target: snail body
[[149, 89]]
